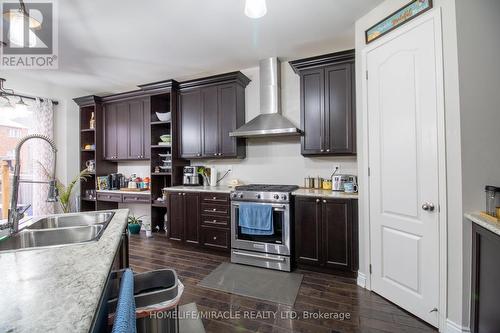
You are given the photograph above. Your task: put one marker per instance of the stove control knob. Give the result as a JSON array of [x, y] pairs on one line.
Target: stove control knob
[[258, 196], [284, 197], [276, 196]]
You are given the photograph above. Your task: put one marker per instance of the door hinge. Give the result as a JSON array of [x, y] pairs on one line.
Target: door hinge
[[369, 172], [366, 74], [370, 268]]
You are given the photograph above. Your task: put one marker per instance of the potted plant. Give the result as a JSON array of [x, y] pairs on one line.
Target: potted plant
[[134, 224]]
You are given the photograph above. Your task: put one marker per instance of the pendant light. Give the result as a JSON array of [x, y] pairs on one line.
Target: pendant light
[[255, 8], [16, 19]]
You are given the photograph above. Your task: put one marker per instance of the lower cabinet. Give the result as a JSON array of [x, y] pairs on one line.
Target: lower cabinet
[[326, 234], [184, 217], [200, 219], [485, 277]]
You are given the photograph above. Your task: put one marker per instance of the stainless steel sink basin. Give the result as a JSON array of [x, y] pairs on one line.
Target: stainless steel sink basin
[[63, 221], [59, 231], [50, 237]]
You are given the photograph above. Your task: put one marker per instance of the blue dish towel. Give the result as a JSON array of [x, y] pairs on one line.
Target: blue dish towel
[[256, 219], [125, 309]]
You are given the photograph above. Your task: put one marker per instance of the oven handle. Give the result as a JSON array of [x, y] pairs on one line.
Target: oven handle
[[281, 208], [257, 256]]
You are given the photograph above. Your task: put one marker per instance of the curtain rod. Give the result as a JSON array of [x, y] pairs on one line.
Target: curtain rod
[[29, 97]]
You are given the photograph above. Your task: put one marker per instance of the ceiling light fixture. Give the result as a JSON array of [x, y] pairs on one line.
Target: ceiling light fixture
[[255, 8], [16, 25]]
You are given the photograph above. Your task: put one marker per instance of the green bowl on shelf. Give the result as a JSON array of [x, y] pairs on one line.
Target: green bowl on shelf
[[166, 138]]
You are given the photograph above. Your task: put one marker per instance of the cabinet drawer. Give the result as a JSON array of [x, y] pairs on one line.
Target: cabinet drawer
[[215, 198], [134, 198], [215, 238], [113, 197], [211, 209], [215, 221]]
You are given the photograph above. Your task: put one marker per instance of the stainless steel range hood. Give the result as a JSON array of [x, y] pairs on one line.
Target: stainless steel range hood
[[270, 122]]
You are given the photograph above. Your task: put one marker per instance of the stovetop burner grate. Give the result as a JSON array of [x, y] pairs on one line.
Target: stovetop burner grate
[[266, 188]]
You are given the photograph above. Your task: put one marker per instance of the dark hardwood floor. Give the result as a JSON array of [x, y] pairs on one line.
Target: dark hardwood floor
[[319, 293]]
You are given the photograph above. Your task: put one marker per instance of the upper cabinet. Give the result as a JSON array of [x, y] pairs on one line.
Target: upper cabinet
[[328, 115], [209, 109], [127, 130]]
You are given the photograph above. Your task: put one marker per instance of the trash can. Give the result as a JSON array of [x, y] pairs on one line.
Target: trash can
[[157, 294]]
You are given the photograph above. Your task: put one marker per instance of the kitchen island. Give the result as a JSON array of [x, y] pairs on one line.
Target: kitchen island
[[58, 289]]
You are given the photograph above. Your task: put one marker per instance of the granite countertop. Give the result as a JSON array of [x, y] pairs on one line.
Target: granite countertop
[[125, 192], [215, 189], [57, 289], [309, 192], [485, 222]]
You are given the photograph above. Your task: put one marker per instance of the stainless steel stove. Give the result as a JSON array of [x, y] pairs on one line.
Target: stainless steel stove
[[269, 251]]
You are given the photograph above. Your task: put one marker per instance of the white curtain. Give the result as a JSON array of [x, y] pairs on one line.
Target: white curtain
[[43, 123]]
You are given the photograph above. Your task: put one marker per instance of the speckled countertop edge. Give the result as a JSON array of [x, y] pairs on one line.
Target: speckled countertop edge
[[57, 289], [476, 217], [214, 189], [307, 192]]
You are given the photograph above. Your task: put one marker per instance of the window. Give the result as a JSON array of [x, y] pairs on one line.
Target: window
[[13, 126], [14, 132]]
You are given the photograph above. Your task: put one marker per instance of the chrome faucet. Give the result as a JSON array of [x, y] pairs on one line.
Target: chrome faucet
[[15, 213]]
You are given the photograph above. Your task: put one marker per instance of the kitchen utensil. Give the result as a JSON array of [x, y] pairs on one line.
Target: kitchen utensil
[[165, 155], [491, 199], [167, 116], [327, 184]]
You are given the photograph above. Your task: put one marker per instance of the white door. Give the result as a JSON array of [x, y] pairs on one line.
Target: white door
[[402, 101]]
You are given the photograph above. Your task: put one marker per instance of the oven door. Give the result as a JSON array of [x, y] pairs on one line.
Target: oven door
[[277, 243]]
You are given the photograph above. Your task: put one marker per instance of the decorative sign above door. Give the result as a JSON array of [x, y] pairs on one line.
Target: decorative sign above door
[[399, 17]]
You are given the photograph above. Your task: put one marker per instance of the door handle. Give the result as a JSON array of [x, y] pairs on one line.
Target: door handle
[[427, 206]]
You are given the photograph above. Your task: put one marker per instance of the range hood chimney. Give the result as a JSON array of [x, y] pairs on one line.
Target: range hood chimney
[[269, 122]]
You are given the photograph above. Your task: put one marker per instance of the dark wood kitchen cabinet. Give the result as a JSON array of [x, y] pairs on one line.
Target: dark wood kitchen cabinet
[[184, 217], [127, 130], [485, 277], [210, 109], [326, 234], [328, 115]]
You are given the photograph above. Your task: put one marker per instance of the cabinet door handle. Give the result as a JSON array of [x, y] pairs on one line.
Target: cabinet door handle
[[214, 198], [220, 154], [328, 150], [198, 154], [183, 193], [215, 154], [321, 150], [317, 200], [324, 201], [215, 237]]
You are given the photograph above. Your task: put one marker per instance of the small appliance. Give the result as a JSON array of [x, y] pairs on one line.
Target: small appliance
[[191, 177], [115, 181], [338, 181]]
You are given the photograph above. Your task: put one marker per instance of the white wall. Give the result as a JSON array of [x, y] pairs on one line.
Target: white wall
[[278, 160], [456, 279], [66, 118], [478, 48]]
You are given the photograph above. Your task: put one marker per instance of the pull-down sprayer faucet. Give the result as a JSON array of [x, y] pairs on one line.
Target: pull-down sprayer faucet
[[15, 213]]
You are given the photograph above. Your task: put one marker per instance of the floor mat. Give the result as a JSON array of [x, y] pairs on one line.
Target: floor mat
[[259, 283]]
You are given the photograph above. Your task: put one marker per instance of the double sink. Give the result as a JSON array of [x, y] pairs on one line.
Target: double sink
[[59, 230]]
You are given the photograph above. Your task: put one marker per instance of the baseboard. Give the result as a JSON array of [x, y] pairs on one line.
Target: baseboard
[[361, 281], [452, 327]]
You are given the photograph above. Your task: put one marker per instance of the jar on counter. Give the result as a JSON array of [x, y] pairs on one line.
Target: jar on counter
[[492, 199]]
